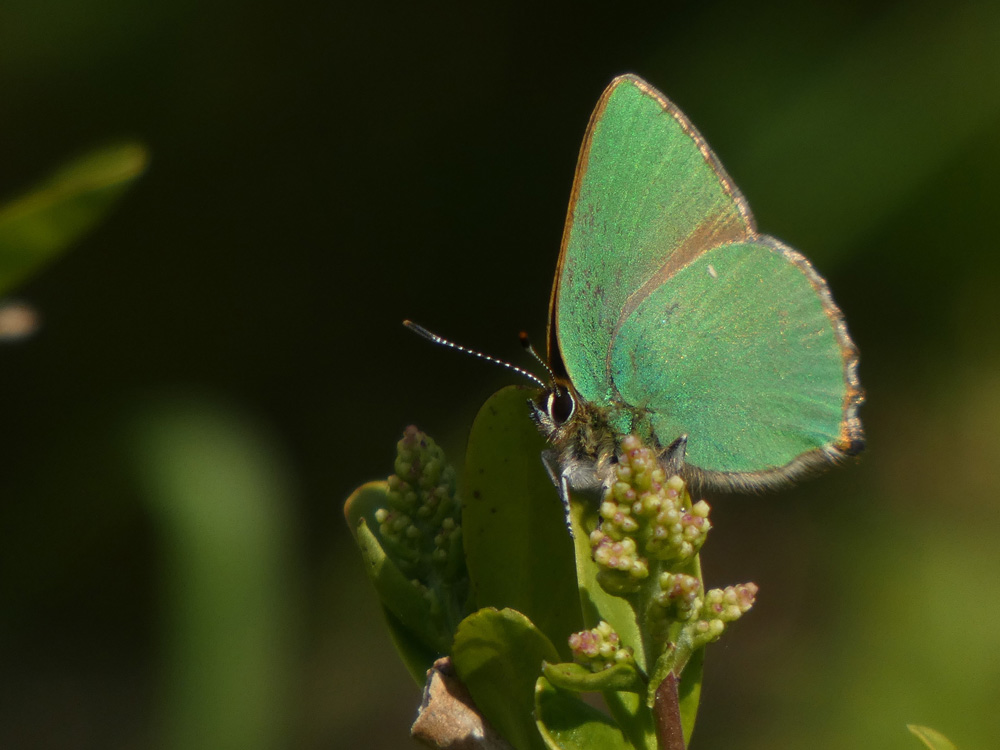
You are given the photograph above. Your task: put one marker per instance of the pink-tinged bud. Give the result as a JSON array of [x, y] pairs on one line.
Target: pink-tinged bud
[[599, 648], [721, 607], [679, 595]]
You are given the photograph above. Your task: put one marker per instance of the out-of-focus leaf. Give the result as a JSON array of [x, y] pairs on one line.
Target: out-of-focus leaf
[[498, 655], [567, 723], [931, 737], [518, 549], [218, 493], [43, 222]]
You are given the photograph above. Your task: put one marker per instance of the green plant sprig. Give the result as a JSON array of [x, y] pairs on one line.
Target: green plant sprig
[[531, 617]]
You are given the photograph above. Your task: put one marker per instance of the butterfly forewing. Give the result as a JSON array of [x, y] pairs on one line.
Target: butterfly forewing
[[648, 196]]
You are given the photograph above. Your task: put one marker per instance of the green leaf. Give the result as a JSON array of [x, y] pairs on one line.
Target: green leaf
[[931, 737], [498, 655], [518, 550], [363, 503], [575, 677], [567, 723], [43, 222], [689, 691], [417, 656], [596, 603], [410, 608], [634, 717]]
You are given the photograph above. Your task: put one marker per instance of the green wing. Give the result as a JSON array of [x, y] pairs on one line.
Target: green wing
[[675, 316], [743, 351], [649, 196]]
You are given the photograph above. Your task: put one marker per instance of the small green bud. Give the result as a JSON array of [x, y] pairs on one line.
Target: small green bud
[[709, 630], [420, 528]]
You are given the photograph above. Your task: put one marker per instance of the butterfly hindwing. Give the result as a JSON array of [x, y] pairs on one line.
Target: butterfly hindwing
[[743, 351]]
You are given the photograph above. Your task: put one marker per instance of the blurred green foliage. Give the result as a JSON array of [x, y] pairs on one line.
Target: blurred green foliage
[[321, 174], [933, 739], [34, 227], [218, 492]]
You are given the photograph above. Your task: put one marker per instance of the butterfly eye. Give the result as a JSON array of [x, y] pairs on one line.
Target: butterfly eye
[[561, 406]]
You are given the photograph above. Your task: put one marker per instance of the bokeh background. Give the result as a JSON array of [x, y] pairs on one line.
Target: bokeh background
[[222, 361]]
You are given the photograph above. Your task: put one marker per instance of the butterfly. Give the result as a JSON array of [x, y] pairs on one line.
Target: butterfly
[[673, 318]]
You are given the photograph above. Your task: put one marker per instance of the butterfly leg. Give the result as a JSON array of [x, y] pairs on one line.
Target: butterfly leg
[[560, 478], [672, 458]]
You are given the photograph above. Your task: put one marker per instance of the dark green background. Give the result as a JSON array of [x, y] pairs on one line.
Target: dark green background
[[321, 172]]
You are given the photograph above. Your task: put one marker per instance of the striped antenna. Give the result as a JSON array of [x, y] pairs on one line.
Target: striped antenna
[[526, 343], [433, 337]]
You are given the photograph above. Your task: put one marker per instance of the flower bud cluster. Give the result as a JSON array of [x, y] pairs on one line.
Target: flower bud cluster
[[721, 607], [599, 648], [645, 515], [680, 599], [422, 525]]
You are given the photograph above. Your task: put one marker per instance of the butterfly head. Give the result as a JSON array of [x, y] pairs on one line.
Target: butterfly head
[[583, 444], [555, 409]]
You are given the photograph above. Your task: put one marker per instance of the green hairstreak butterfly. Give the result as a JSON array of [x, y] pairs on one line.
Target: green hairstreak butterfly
[[671, 317]]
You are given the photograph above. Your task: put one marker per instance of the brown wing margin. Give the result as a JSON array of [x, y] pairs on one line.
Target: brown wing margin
[[851, 440], [552, 342]]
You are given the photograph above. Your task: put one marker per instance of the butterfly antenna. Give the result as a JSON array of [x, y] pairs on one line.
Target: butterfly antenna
[[434, 338], [526, 343]]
